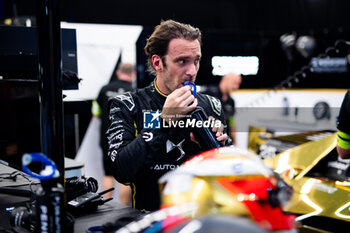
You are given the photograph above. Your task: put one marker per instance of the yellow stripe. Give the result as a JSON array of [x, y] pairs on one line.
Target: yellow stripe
[[343, 134], [136, 132], [132, 185], [342, 143], [133, 188], [155, 85]]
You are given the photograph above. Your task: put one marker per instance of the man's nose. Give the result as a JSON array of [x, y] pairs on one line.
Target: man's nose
[[191, 70]]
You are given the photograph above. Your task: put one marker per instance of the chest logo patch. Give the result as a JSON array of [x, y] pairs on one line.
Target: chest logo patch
[[170, 146], [148, 136], [127, 100], [215, 104]]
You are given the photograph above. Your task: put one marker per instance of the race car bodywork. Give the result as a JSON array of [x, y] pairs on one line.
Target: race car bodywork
[[318, 176]]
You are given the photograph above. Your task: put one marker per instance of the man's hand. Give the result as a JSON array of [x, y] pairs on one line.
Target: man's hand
[[343, 153], [218, 129], [179, 103], [220, 136]]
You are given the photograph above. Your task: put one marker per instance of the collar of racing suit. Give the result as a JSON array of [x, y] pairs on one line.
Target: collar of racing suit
[[155, 86]]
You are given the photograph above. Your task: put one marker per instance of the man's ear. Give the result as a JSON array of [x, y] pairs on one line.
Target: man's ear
[[157, 63], [117, 73]]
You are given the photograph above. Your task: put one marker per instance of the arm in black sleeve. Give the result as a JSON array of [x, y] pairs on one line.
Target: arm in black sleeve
[[343, 137], [344, 114], [131, 151]]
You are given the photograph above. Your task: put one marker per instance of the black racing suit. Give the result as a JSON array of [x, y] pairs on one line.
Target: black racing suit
[[107, 92], [140, 156]]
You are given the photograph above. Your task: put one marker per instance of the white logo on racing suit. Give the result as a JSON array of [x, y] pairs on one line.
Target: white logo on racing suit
[[115, 145], [114, 110], [127, 100], [111, 113], [113, 155], [170, 146], [215, 104], [115, 133], [116, 122], [119, 136], [148, 136], [165, 167], [114, 127]]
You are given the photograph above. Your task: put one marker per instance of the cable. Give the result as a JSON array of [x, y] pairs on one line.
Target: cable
[[13, 176]]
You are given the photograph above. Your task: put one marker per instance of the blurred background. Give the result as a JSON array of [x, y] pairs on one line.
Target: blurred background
[[230, 28]]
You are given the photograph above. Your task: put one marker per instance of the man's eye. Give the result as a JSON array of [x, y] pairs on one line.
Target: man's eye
[[181, 61], [196, 61]]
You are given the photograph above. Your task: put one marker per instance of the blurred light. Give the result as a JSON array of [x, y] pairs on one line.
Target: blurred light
[[305, 189], [307, 200], [192, 226], [197, 190], [288, 40], [283, 163], [329, 65], [287, 43], [305, 45], [223, 65], [240, 197], [340, 209]]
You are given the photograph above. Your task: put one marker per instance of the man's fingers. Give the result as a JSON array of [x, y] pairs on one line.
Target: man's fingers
[[193, 138], [188, 101], [179, 96], [180, 91], [222, 138], [221, 129], [214, 129], [192, 106], [217, 125]]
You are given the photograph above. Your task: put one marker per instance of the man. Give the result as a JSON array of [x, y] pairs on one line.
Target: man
[[125, 74], [229, 83], [142, 149], [343, 140]]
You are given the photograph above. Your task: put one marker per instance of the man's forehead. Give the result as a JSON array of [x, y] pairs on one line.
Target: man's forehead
[[183, 47]]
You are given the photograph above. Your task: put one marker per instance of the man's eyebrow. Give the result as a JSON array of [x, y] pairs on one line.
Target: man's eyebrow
[[187, 57], [182, 57]]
